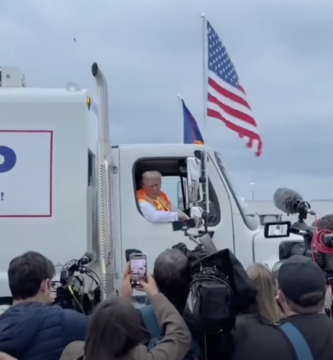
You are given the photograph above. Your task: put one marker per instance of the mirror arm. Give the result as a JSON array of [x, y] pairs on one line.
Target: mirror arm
[[183, 192], [203, 180]]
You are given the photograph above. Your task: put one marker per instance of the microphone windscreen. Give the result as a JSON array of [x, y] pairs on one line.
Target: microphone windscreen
[[91, 255], [284, 200]]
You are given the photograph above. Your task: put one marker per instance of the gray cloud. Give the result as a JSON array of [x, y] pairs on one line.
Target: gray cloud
[[151, 50]]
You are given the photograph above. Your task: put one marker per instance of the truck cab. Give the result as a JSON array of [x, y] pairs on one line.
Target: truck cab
[[227, 218]]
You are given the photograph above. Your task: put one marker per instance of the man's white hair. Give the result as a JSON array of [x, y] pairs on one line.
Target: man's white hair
[[151, 175]]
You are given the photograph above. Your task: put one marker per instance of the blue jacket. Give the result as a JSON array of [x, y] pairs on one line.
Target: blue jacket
[[32, 331]]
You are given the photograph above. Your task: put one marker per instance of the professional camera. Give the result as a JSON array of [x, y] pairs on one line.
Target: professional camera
[[317, 244], [70, 294]]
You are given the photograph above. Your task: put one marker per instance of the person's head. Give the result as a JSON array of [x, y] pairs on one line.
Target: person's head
[[265, 284], [325, 223], [29, 277], [114, 329], [151, 183], [302, 286], [172, 276]]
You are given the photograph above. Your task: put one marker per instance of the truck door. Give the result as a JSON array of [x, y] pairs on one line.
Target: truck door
[[153, 238]]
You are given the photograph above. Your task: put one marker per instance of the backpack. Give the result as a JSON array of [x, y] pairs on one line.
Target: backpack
[[296, 339], [220, 288], [153, 328]]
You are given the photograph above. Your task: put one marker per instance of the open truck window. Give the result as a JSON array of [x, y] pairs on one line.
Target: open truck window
[[249, 219], [173, 174]]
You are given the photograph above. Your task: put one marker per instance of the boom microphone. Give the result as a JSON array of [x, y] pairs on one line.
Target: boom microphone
[[291, 202], [74, 265], [87, 258]]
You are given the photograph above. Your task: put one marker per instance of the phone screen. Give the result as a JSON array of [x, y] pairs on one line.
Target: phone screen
[[138, 267]]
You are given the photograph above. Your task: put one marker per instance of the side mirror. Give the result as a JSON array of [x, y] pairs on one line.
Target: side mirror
[[194, 188], [277, 229]]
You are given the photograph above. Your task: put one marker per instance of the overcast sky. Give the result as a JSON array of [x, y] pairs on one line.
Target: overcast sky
[[150, 50]]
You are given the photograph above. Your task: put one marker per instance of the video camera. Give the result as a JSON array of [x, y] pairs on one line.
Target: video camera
[[317, 244], [70, 294], [219, 289]]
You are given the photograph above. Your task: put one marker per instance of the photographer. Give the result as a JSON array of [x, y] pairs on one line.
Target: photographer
[[172, 276], [115, 330], [29, 329]]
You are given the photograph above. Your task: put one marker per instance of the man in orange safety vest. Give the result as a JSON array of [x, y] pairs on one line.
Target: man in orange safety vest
[[154, 203]]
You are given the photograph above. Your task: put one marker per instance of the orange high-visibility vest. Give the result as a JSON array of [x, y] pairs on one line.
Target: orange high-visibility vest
[[161, 203]]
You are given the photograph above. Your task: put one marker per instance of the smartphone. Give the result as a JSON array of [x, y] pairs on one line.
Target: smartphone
[[129, 252], [138, 268]]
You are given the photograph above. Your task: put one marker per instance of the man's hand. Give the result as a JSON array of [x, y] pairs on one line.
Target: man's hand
[[126, 289], [149, 286], [182, 216]]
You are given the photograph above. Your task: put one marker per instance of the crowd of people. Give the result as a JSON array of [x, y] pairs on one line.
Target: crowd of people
[[294, 294]]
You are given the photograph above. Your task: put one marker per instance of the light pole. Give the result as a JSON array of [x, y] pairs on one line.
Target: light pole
[[252, 189]]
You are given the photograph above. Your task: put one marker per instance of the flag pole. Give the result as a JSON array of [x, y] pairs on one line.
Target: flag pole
[[204, 69], [180, 100], [204, 104]]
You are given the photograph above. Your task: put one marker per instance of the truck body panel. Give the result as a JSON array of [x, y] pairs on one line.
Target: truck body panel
[[68, 231]]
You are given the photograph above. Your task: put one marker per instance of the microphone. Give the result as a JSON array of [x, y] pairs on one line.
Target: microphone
[[87, 258], [291, 202], [74, 265]]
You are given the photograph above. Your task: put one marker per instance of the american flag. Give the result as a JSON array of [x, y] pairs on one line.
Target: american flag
[[226, 96]]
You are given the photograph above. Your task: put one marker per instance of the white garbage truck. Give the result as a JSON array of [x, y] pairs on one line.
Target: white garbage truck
[[66, 189]]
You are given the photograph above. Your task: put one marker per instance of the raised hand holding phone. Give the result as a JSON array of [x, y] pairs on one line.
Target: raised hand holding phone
[[126, 289], [149, 286]]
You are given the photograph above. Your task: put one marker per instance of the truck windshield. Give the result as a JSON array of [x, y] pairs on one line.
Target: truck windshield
[[250, 219]]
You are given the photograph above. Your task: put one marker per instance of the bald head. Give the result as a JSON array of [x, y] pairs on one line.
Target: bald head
[[151, 183], [171, 261], [172, 275]]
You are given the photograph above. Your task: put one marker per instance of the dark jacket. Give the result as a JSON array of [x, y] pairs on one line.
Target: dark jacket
[[262, 342], [35, 331], [248, 319], [174, 345]]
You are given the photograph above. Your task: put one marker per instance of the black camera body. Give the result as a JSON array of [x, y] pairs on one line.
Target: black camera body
[[305, 248], [71, 293], [317, 244]]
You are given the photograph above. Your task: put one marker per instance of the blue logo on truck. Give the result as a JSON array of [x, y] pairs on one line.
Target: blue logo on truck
[[9, 159]]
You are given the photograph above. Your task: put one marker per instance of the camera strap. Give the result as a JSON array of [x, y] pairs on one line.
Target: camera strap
[[297, 341]]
